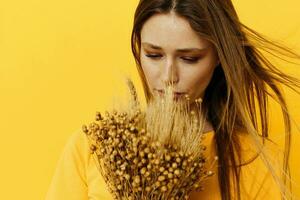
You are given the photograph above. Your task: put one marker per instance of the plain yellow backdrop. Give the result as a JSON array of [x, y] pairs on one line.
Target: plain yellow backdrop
[[61, 61]]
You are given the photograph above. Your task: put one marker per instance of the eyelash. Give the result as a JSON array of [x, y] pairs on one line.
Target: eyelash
[[193, 60]]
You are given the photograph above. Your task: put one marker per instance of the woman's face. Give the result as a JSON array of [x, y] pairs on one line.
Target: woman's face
[[172, 53]]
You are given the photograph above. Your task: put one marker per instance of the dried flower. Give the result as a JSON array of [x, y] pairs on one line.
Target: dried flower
[[151, 154]]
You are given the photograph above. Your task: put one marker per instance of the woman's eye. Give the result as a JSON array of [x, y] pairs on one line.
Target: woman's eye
[[187, 59], [153, 55], [191, 59]]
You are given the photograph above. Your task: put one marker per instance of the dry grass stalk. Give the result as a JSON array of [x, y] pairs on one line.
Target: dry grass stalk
[[150, 155]]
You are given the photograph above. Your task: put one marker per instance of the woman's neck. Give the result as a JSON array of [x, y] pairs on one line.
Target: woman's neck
[[207, 125]]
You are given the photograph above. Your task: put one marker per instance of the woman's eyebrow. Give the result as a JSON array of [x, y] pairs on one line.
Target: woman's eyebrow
[[184, 50]]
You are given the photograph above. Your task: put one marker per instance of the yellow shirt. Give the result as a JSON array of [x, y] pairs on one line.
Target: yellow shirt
[[77, 178]]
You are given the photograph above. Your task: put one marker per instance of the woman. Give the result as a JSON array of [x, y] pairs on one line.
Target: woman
[[201, 48]]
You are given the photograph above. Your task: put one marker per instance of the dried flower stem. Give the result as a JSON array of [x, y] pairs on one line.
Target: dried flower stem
[[155, 154]]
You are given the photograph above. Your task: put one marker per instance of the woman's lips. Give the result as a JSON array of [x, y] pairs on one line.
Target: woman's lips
[[176, 95]]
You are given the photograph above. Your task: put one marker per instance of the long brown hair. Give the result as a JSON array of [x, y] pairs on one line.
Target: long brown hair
[[240, 80]]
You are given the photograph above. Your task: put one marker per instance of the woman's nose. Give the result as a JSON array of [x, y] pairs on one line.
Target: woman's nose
[[170, 74]]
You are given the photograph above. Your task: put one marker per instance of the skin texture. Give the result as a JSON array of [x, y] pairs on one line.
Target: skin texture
[[189, 72]]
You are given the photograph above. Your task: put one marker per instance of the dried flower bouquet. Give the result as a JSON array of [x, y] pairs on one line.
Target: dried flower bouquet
[[152, 154]]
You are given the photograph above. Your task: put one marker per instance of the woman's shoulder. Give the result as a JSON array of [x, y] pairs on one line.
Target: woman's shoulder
[[69, 180], [76, 175], [256, 178], [97, 188], [77, 149]]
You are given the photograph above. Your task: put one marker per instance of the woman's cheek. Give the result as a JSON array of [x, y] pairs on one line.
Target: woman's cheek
[[198, 80], [150, 74]]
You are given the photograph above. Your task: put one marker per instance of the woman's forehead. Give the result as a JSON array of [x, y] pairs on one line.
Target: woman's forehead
[[170, 31]]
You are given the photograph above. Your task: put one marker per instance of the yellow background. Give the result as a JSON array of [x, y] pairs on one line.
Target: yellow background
[[60, 62]]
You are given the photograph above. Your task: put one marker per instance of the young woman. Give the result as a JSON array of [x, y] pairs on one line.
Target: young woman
[[201, 48]]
